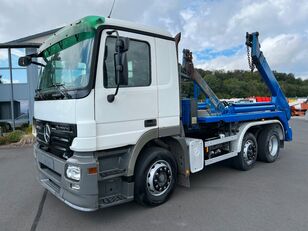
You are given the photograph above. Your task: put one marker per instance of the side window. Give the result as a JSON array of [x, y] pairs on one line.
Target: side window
[[138, 62]]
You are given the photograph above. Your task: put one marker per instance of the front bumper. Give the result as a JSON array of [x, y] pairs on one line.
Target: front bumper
[[52, 177]]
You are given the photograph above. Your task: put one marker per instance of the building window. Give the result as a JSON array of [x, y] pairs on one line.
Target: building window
[[4, 61], [4, 76], [19, 74], [138, 63], [4, 67]]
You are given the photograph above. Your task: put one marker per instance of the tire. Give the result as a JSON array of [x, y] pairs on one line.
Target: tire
[[246, 159], [155, 176], [269, 147]]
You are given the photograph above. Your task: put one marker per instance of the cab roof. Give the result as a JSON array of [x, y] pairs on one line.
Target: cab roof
[[90, 24]]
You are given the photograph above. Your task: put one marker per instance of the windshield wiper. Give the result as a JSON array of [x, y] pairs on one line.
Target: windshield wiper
[[63, 93]]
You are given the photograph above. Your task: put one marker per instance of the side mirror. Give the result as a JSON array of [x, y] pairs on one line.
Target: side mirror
[[121, 69], [125, 42], [25, 61], [120, 61]]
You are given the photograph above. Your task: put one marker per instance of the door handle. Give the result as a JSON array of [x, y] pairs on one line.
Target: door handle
[[150, 123]]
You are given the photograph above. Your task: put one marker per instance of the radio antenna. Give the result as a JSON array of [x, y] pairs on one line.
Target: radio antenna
[[111, 9]]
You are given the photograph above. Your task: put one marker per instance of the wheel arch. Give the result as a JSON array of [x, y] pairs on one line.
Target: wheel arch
[[142, 142], [175, 144], [251, 126]]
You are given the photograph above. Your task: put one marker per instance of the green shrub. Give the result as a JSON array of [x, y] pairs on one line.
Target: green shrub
[[14, 136], [28, 129], [3, 140]]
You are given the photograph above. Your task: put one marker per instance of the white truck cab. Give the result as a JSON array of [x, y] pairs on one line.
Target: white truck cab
[[111, 125]]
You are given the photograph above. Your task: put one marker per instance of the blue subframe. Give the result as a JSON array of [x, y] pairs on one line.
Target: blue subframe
[[250, 116]]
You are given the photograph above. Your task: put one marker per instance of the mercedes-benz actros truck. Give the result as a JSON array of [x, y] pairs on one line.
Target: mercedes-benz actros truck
[[112, 124]]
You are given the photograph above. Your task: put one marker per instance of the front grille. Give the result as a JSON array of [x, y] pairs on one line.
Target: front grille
[[61, 138]]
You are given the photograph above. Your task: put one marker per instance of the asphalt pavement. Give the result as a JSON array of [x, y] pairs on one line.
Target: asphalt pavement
[[268, 197]]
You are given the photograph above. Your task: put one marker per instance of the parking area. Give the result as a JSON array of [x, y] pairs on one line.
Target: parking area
[[269, 197]]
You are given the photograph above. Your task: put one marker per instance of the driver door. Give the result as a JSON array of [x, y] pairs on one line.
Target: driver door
[[135, 108]]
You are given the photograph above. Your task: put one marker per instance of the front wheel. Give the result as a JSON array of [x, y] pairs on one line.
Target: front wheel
[[155, 176], [246, 159]]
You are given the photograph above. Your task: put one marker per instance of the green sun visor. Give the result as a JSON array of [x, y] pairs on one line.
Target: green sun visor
[[70, 35], [66, 43]]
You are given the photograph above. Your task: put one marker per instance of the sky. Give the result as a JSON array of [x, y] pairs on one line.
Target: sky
[[213, 29]]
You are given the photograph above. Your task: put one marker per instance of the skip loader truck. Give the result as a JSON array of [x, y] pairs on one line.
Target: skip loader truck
[[112, 124]]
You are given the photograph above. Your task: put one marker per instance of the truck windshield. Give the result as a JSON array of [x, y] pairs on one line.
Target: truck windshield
[[66, 69]]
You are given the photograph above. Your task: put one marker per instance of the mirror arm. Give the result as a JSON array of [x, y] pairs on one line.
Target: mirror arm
[[114, 31], [111, 97], [39, 64]]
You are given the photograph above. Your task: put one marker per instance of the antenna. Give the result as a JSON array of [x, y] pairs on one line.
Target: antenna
[[111, 9]]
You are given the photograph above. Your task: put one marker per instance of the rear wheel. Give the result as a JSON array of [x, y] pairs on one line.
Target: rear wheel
[[155, 176], [268, 142], [246, 159]]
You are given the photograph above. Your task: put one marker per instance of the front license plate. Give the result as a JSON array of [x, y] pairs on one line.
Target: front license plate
[[45, 160]]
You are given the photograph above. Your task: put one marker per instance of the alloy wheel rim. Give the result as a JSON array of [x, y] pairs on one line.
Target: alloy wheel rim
[[273, 145], [159, 178], [249, 152]]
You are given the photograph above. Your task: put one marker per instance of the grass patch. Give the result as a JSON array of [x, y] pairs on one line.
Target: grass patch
[[3, 140], [27, 128], [11, 137], [15, 136]]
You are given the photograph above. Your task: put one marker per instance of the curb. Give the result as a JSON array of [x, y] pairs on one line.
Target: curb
[[15, 146]]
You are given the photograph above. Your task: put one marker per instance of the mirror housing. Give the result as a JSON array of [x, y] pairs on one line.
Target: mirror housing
[[121, 69], [120, 61], [24, 61], [124, 43]]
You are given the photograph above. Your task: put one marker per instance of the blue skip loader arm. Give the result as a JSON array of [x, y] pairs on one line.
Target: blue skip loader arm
[[278, 108], [199, 83], [278, 97], [258, 59]]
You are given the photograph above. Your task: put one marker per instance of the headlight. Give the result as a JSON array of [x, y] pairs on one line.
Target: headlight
[[73, 172]]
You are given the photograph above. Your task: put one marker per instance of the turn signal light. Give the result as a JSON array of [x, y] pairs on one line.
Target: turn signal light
[[92, 170]]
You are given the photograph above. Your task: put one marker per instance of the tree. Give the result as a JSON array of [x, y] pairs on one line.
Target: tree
[[242, 84]]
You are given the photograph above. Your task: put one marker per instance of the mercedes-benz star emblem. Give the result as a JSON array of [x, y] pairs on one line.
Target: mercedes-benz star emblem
[[47, 133]]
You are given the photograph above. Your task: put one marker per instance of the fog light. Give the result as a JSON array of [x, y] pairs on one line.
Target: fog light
[[73, 172], [75, 186]]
